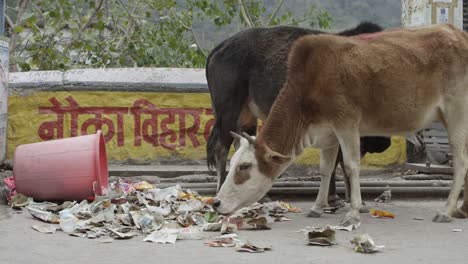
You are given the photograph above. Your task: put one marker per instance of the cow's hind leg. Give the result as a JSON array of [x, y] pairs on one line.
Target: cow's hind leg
[[457, 131], [349, 143], [462, 212], [333, 199]]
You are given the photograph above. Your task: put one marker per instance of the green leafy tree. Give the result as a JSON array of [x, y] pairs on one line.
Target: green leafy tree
[[61, 34]]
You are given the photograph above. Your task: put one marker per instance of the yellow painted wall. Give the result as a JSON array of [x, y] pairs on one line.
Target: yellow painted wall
[[36, 117]]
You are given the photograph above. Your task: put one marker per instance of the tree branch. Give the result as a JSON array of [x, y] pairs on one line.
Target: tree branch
[[22, 5], [129, 15], [205, 54], [91, 17], [275, 12], [244, 14], [9, 21]]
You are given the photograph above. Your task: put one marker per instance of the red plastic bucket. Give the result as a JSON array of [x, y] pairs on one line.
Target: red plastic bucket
[[64, 169]]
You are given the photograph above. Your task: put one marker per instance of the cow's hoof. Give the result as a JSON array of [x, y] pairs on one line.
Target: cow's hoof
[[442, 218], [349, 220], [364, 209], [314, 213], [460, 213]]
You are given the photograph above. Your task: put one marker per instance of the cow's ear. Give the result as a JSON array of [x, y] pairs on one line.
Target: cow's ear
[[275, 157]]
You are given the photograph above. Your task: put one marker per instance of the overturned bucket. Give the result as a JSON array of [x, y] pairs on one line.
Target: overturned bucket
[[64, 169]]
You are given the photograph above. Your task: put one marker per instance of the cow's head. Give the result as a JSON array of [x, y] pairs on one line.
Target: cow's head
[[253, 169]]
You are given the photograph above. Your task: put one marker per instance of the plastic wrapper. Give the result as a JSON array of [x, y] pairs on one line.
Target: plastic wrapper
[[143, 185], [381, 214]]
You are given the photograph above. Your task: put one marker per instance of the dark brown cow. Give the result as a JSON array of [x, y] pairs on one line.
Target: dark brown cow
[[245, 74]]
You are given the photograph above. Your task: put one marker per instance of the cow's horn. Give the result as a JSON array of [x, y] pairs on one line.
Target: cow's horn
[[248, 137], [235, 135]]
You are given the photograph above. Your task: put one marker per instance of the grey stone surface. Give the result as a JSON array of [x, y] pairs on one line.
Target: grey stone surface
[[406, 241]]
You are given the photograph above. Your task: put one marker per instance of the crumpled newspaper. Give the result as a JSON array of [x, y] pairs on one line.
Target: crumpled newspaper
[[319, 236], [365, 244], [247, 246], [45, 229], [241, 245]]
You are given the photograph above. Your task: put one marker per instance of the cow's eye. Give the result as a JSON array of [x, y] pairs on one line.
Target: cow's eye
[[245, 166]]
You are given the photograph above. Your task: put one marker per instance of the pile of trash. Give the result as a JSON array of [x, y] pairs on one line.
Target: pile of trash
[[161, 215]]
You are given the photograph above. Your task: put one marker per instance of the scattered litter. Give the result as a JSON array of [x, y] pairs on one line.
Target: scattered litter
[[122, 232], [211, 217], [45, 229], [228, 228], [320, 236], [207, 200], [190, 233], [162, 236], [143, 185], [365, 244], [384, 197], [19, 200], [262, 222], [68, 222], [330, 209], [247, 246], [228, 240], [290, 208], [457, 230], [190, 206], [11, 191], [381, 214], [165, 194], [418, 218], [350, 227], [45, 216]]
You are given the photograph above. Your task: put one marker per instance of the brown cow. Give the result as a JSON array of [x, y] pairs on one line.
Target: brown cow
[[339, 88]]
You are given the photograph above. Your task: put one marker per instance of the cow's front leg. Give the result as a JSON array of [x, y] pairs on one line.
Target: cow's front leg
[[349, 143], [327, 165]]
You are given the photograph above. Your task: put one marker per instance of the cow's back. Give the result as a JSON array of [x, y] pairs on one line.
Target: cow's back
[[396, 77]]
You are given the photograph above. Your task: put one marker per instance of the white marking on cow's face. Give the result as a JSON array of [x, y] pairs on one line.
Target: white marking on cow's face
[[244, 184]]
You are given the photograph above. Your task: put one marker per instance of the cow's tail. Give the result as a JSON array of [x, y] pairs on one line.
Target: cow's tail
[[211, 146], [214, 139]]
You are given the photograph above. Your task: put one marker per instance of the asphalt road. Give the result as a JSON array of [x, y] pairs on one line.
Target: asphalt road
[[406, 241]]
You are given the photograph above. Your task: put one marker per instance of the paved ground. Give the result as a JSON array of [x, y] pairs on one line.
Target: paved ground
[[406, 241]]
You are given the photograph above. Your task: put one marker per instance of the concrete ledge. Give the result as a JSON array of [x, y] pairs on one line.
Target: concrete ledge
[[165, 171], [183, 80]]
